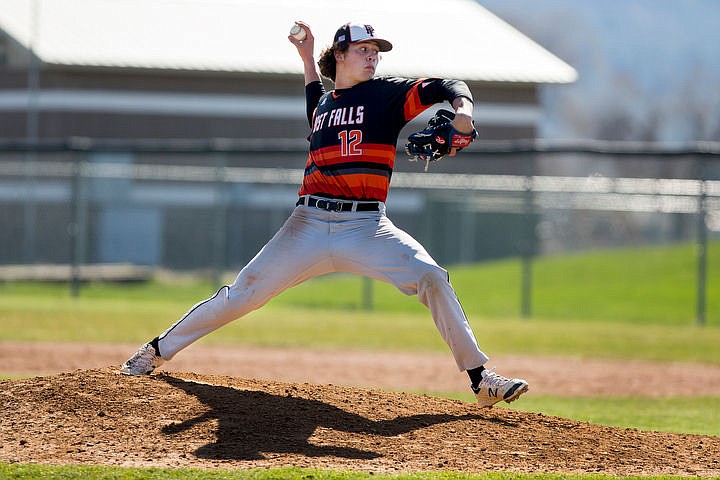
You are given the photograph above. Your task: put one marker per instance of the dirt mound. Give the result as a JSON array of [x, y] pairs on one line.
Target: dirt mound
[[409, 371], [183, 420]]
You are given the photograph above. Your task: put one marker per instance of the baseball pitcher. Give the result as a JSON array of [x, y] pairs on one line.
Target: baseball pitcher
[[339, 223]]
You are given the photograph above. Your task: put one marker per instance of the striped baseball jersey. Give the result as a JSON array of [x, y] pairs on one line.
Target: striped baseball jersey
[[354, 132]]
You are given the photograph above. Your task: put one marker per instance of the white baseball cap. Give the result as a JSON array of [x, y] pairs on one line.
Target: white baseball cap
[[355, 32]]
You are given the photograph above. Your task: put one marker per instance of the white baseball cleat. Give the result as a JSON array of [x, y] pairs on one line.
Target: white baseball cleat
[[494, 388], [143, 362]]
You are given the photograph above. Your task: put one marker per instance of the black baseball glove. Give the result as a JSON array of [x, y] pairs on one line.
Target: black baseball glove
[[436, 141]]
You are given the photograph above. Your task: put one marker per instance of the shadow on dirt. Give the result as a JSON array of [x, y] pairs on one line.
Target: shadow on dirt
[[252, 424]]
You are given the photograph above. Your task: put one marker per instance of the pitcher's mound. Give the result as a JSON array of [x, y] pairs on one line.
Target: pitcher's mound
[[189, 420]]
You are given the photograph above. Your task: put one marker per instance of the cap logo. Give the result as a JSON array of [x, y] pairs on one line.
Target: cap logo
[[353, 33]]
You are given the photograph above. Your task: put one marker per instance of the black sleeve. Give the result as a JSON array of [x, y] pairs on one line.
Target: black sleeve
[[436, 90], [313, 92]]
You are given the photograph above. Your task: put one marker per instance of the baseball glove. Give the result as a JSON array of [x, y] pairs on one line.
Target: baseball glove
[[437, 139]]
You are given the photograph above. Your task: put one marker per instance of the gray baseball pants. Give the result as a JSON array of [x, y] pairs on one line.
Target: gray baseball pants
[[314, 242]]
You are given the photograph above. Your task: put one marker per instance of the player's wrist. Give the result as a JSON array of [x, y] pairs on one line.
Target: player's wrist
[[463, 124]]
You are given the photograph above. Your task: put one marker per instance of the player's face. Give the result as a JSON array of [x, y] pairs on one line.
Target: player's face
[[360, 61]]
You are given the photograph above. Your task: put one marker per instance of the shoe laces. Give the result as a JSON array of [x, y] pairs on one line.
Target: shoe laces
[[492, 379], [144, 355]]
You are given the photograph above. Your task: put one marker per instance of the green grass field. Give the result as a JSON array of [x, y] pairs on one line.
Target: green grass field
[[623, 304], [597, 304], [26, 472]]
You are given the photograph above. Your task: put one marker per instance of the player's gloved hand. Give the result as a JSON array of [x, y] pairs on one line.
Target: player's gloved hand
[[437, 139]]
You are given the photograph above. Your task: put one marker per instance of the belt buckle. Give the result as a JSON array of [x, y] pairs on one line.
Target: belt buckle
[[330, 206]]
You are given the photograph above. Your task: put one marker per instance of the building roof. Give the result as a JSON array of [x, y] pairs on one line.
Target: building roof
[[448, 38]]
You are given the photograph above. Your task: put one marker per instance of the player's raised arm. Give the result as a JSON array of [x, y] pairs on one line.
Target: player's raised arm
[[305, 44]]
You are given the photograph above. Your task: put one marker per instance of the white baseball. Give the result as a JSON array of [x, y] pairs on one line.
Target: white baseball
[[298, 32]]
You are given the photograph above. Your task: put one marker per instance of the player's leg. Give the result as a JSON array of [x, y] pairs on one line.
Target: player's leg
[[382, 251], [385, 252], [293, 255]]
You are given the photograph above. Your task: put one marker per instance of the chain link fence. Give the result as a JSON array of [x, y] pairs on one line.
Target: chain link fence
[[210, 205]]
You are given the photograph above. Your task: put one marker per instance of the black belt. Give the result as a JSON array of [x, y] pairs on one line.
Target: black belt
[[339, 205]]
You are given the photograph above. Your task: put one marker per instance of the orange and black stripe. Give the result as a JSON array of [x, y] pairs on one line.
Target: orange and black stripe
[[413, 103], [365, 177]]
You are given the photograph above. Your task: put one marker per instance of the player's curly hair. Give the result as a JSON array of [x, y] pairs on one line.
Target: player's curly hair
[[327, 62]]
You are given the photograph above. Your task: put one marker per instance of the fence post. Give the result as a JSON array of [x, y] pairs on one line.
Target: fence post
[[220, 219], [367, 293], [78, 225], [702, 233], [30, 209], [467, 240], [527, 242]]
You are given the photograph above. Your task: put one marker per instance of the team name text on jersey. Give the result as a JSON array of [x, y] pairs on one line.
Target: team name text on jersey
[[340, 116]]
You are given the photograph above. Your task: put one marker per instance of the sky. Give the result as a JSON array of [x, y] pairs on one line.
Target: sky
[[658, 57]]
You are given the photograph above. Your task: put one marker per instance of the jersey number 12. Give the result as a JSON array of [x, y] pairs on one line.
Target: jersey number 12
[[349, 142]]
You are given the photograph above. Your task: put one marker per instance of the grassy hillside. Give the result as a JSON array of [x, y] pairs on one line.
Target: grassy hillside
[[616, 304], [648, 285], [645, 285]]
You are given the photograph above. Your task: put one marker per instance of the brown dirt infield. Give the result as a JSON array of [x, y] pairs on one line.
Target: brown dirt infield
[[189, 420], [93, 415], [404, 371]]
